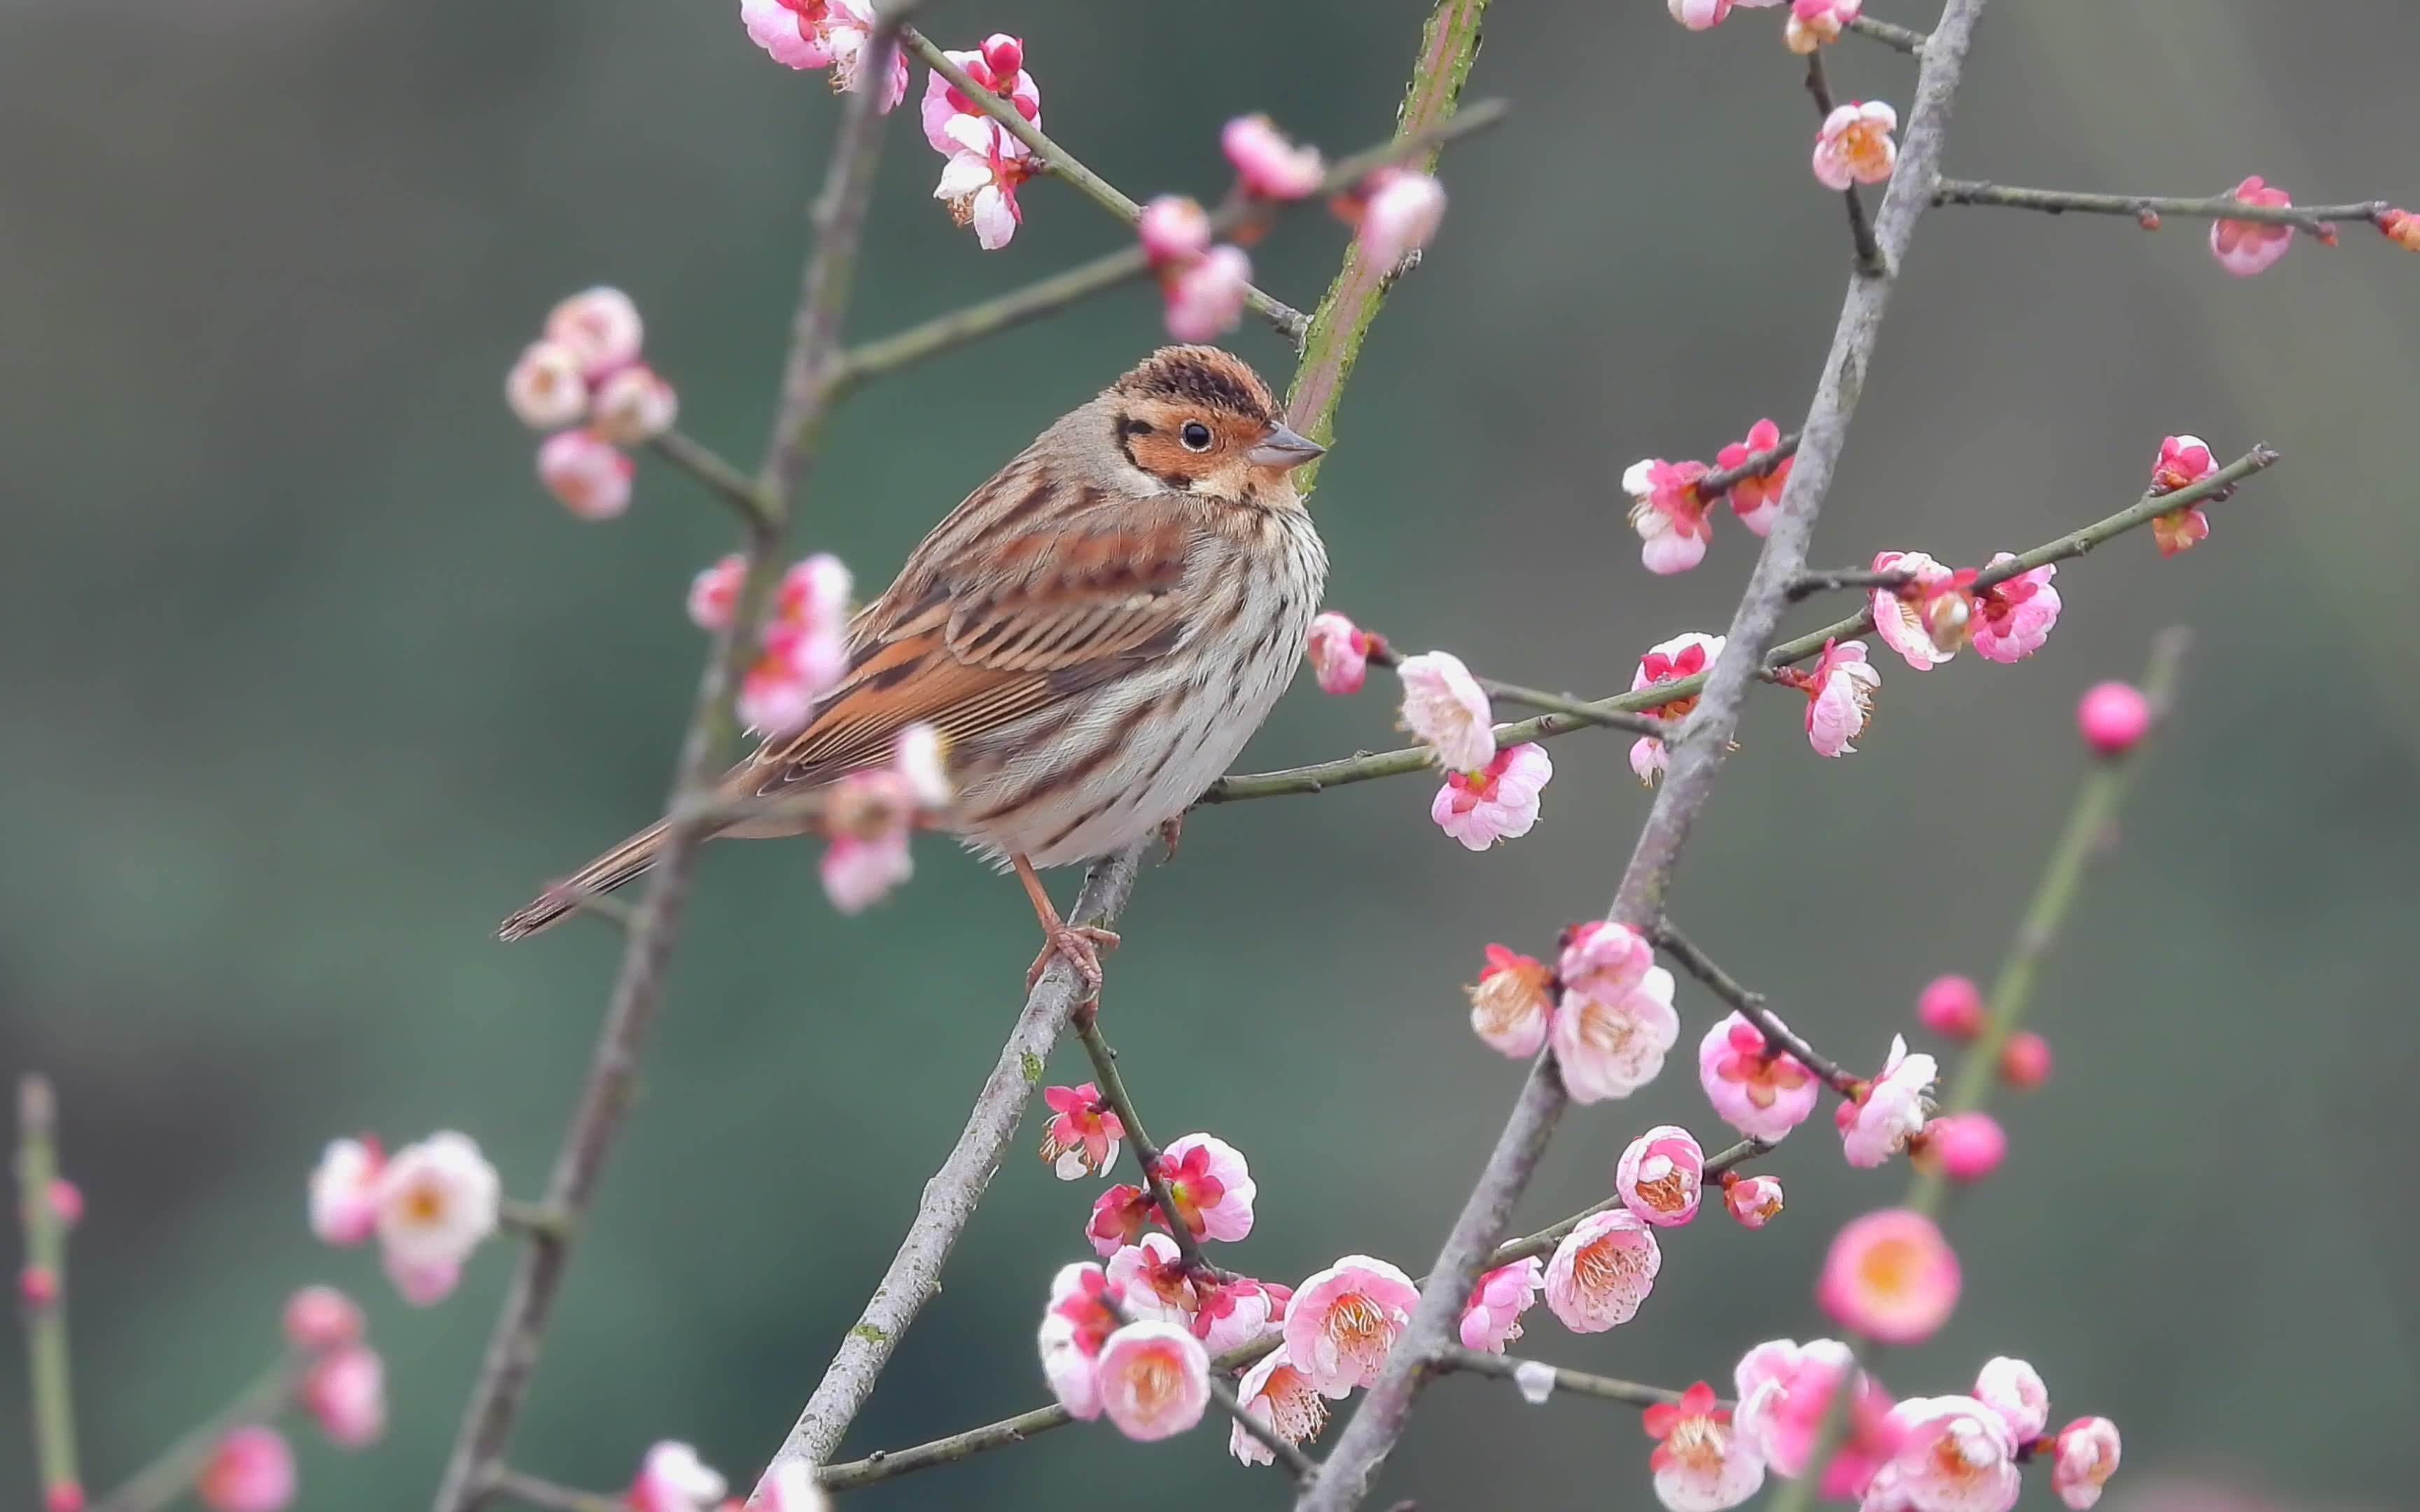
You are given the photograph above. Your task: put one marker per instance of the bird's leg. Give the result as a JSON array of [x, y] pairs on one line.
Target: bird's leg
[[1169, 829], [1081, 944]]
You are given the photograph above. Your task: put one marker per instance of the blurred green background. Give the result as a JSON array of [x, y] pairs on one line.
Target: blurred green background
[[309, 682]]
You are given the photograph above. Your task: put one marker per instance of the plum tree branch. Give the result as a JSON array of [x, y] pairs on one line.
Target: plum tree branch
[[2314, 219], [170, 1475], [1113, 1086], [1777, 1035], [1578, 1382], [49, 1390]]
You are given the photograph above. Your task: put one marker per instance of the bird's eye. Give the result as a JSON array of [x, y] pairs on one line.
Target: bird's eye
[[1196, 436]]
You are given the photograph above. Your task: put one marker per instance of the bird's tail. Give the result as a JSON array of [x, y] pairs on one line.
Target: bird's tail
[[605, 874]]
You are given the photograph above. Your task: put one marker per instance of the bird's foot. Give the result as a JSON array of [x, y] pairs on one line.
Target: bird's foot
[[1083, 945], [1169, 831]]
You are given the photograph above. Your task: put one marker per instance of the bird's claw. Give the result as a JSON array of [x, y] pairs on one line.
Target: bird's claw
[[1169, 829], [1083, 945]]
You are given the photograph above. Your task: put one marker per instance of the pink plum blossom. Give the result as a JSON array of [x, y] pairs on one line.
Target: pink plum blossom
[[1265, 162], [1173, 229], [979, 183], [2402, 228], [921, 757], [1701, 1462], [1499, 801], [1081, 1138], [1667, 512], [1968, 1146], [783, 31], [1951, 1006], [1491, 1318], [345, 1391], [1951, 1454], [1756, 498], [2244, 248], [672, 1478], [437, 1200], [422, 1283], [1753, 1200], [1340, 652], [1785, 1394], [1815, 23], [344, 1191], [1444, 710], [1668, 662], [1511, 1002], [1839, 696], [1231, 1314], [804, 648], [997, 65], [601, 329], [67, 1201], [2087, 1456], [587, 475], [1855, 145], [2025, 1059], [1076, 1323], [1612, 1046], [1899, 613], [850, 33], [1763, 1093], [2112, 717], [859, 871], [1401, 210], [2013, 617], [1661, 1174], [714, 593], [251, 1469], [1156, 1281], [2014, 1390], [1602, 1271], [2183, 461], [1698, 15], [1603, 958], [37, 1287], [1343, 1319], [546, 388], [1119, 1214], [790, 1487], [1204, 297], [319, 1318], [1211, 1185], [1888, 1110], [634, 406], [1890, 1274], [1282, 1396]]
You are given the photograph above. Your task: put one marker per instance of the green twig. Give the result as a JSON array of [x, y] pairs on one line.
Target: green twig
[[1086, 1020], [1579, 1383], [2149, 208], [46, 1272], [168, 1477]]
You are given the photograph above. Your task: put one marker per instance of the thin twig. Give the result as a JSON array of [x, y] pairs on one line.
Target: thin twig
[[1368, 766], [1113, 1086], [839, 217], [1841, 579], [1861, 228], [1777, 1036], [1695, 763], [168, 1477], [1754, 464], [1290, 322], [1580, 1382], [705, 464], [529, 1490], [1299, 1465], [51, 1393], [1385, 654], [1883, 32], [2149, 208]]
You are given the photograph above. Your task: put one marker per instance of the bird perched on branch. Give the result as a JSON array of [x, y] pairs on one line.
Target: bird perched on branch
[[1094, 632]]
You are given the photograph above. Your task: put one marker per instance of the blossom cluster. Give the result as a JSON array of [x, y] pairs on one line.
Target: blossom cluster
[[428, 1205], [583, 379], [1670, 512], [673, 1478], [339, 1381]]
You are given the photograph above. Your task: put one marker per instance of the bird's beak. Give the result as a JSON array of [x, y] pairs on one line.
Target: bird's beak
[[1283, 448]]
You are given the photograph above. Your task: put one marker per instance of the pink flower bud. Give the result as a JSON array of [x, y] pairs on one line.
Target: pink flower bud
[[1267, 162], [1207, 295], [635, 406], [1890, 1274], [1756, 499], [37, 1287], [584, 472], [321, 1318], [1660, 1175], [1403, 212], [2402, 227], [2244, 248], [546, 387], [599, 327], [1173, 229], [714, 594], [1340, 652], [1951, 1006], [1815, 23], [1970, 1146], [345, 1391], [66, 1496], [1754, 1200], [2014, 1390], [2112, 717], [1004, 54], [1698, 15], [67, 1201], [2087, 1456], [250, 1470], [2024, 1060], [344, 1191]]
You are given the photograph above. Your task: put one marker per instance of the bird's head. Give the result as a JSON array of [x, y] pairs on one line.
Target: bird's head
[[1199, 421]]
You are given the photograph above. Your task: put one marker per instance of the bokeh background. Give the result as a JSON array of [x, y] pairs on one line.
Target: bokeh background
[[308, 683]]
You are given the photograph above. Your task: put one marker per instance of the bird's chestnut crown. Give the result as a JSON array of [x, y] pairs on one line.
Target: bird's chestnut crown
[[1199, 421]]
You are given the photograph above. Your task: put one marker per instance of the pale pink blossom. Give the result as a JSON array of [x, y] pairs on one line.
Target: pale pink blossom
[[546, 388], [2244, 248], [2013, 617], [1951, 1006], [1602, 1271], [1785, 1394], [1119, 1214], [1278, 1394], [1612, 1046], [345, 1391], [790, 1487], [1400, 214], [1082, 1137], [1231, 1314], [601, 329], [1499, 801], [714, 593], [321, 1318], [1839, 696], [2025, 1059], [1444, 710], [921, 756], [851, 32], [1898, 613], [422, 1283], [1343, 1319], [1854, 145], [2014, 1390], [1173, 229], [789, 676], [784, 31], [1815, 23], [2087, 1456], [634, 406], [1536, 1380], [859, 871], [1340, 652], [979, 183], [1951, 1454], [1667, 512], [1661, 1175], [2112, 717], [344, 1191], [1265, 162], [1511, 1002], [1204, 297], [816, 33], [1756, 499], [1763, 1091], [997, 65], [1889, 1109], [1890, 1274], [2183, 461], [587, 475], [1491, 1318], [815, 592], [1700, 1461], [672, 1478], [1969, 1146], [251, 1469], [437, 1200], [1076, 1323], [1754, 1200], [1156, 1281], [1698, 15], [1154, 1379], [1211, 1185], [1668, 662], [1604, 958]]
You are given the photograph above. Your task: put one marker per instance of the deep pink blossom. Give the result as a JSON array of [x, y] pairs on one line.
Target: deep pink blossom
[[2087, 1456], [714, 593], [1491, 1318], [997, 65], [2025, 1059], [1667, 512], [1511, 1002], [1343, 1319], [2112, 717], [1763, 1093], [345, 1391], [1082, 1137], [1120, 1214], [1899, 613], [1890, 1274], [1265, 162], [1228, 1315], [1754, 1200], [1969, 1146], [2013, 618], [1855, 145], [1497, 802], [1755, 497], [1839, 696], [2244, 248], [1701, 1462], [2183, 461], [251, 1469], [1951, 1006], [586, 473], [1814, 24], [1950, 1454], [1602, 1271], [1661, 1174], [1211, 1185], [1684, 656], [1156, 1281], [1888, 1110], [1785, 1394], [1340, 652]]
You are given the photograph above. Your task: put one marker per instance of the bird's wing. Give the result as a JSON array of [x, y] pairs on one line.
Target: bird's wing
[[971, 643]]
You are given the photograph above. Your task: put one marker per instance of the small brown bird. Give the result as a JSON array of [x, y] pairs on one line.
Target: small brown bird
[[1095, 632]]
